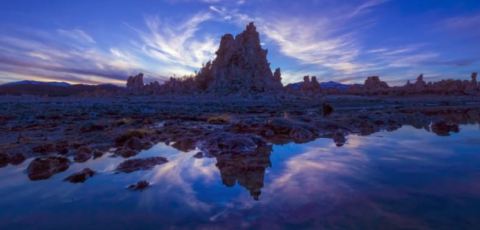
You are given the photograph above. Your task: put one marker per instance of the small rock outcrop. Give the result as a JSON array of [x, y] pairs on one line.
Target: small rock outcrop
[[44, 168], [81, 176], [373, 85], [139, 186]]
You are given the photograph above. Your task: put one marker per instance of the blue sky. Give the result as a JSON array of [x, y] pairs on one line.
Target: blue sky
[[105, 41]]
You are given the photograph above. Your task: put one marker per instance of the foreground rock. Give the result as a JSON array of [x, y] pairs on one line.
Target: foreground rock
[[3, 160], [83, 154], [288, 129], [81, 176], [221, 143], [133, 165], [17, 159], [44, 168], [139, 186], [133, 141]]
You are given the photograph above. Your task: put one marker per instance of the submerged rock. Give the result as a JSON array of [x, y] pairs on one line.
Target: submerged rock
[[44, 168], [133, 165], [81, 176], [443, 128], [139, 186]]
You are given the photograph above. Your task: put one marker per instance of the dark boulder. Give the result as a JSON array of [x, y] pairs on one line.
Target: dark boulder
[[81, 176], [17, 159], [45, 167], [4, 159], [139, 186]]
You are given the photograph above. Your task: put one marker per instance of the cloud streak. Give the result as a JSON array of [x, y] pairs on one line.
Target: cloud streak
[[160, 49], [177, 44]]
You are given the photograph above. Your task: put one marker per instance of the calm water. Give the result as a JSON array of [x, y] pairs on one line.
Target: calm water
[[409, 178]]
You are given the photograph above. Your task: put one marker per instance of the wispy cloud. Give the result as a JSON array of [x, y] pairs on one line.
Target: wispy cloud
[[323, 42], [312, 44], [73, 57], [76, 34], [159, 49], [178, 45], [463, 22]]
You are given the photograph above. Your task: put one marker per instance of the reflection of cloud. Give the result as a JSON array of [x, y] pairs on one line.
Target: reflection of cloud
[[178, 175]]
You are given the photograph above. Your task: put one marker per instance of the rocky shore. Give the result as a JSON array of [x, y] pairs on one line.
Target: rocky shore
[[239, 133]]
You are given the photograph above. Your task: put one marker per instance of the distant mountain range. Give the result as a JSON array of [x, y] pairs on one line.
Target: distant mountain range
[[55, 88], [27, 82]]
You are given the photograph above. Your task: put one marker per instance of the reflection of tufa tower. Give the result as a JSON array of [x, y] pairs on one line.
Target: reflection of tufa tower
[[246, 169]]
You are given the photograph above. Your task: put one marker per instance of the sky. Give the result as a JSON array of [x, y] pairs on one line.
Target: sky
[[105, 41]]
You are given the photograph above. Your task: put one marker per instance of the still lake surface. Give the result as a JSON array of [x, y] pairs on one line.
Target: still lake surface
[[409, 178]]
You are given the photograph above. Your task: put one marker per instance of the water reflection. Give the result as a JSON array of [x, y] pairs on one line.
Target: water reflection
[[408, 178]]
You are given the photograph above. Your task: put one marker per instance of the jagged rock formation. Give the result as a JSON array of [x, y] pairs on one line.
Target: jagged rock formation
[[310, 85], [420, 84], [473, 87], [135, 83], [372, 86], [240, 66]]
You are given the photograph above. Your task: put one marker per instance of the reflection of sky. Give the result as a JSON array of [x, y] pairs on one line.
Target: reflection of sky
[[407, 177]]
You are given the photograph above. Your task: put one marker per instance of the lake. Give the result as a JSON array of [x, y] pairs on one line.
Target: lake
[[408, 178]]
